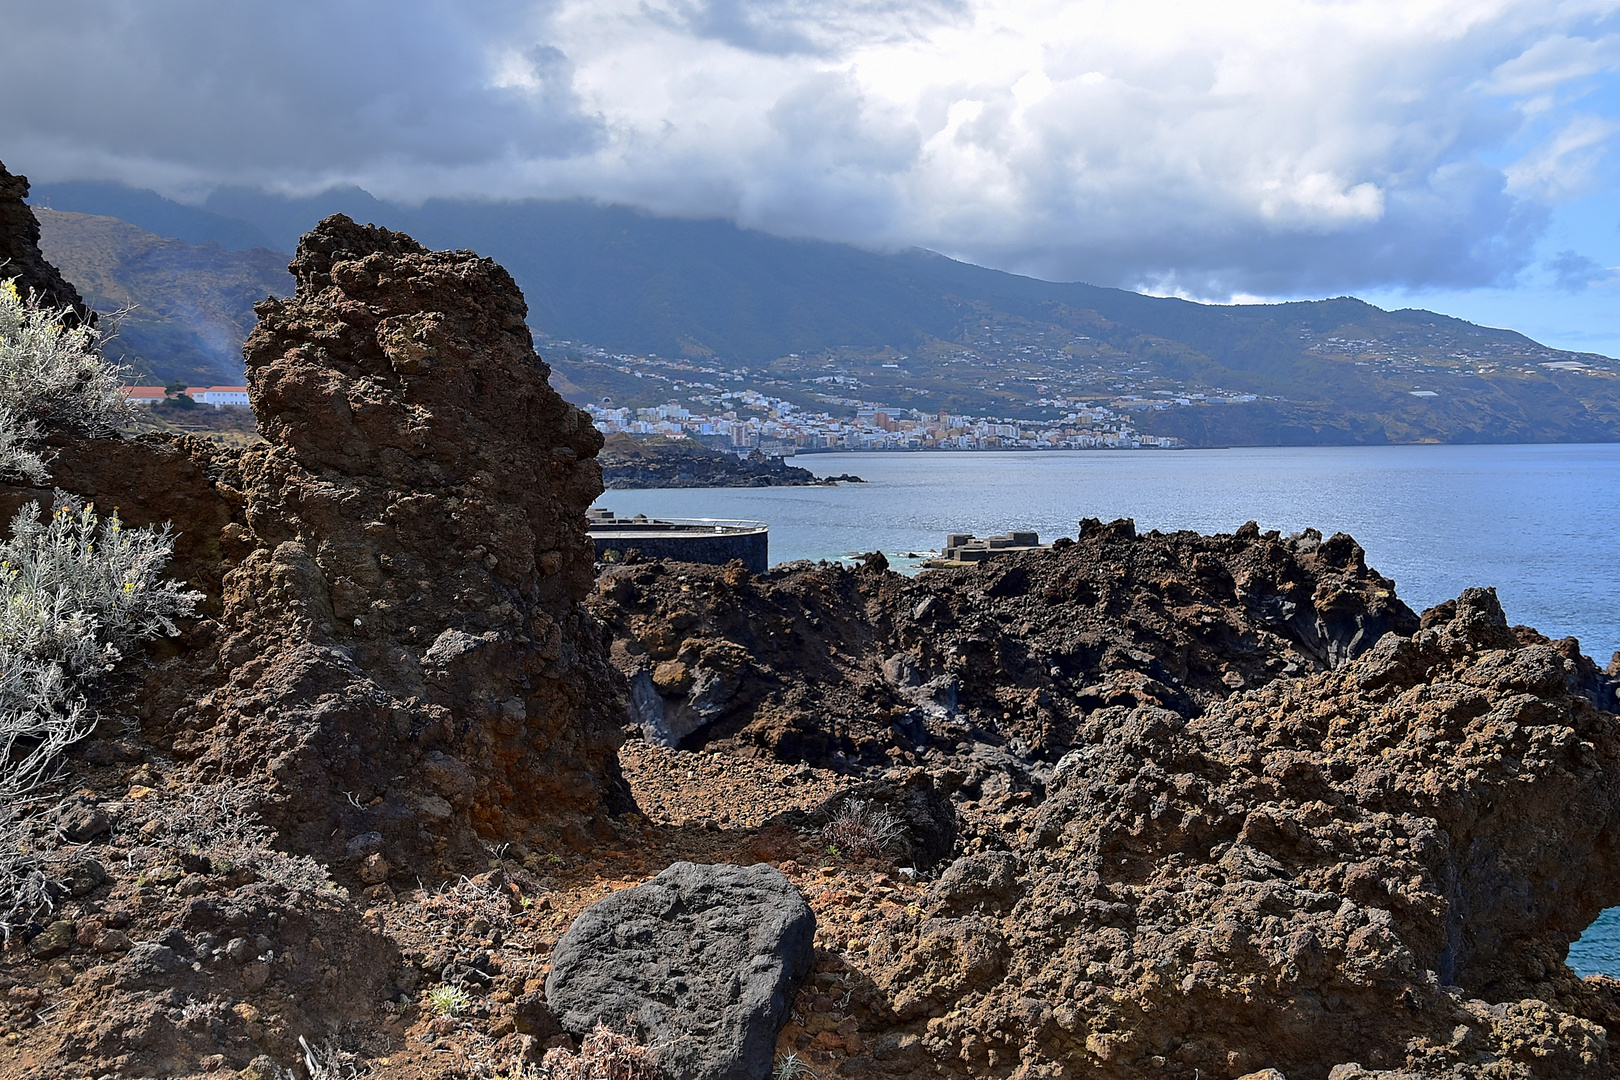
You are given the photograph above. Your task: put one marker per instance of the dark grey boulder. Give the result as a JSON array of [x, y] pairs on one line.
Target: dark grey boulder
[[701, 962]]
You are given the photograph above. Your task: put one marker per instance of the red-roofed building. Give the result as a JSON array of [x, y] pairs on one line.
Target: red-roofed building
[[220, 397]]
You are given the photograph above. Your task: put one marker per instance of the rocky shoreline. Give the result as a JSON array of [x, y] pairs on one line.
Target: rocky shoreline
[[1159, 805], [629, 461]]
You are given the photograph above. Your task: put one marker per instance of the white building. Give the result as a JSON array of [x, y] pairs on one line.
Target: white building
[[220, 397]]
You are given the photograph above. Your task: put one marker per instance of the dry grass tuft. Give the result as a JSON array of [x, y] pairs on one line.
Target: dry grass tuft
[[862, 829], [604, 1055]]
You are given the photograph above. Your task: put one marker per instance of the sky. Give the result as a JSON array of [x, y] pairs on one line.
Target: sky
[[1430, 153]]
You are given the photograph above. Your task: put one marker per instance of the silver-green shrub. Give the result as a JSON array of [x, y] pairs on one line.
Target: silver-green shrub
[[50, 375], [75, 591]]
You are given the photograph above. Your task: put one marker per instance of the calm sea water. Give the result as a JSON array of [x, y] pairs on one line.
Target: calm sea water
[[1537, 522]]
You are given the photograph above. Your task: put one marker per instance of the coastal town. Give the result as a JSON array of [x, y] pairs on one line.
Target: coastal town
[[748, 420]]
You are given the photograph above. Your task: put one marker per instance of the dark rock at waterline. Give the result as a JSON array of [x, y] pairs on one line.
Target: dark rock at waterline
[[701, 961]]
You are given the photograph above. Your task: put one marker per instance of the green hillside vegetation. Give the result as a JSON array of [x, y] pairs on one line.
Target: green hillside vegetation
[[646, 310], [187, 308]]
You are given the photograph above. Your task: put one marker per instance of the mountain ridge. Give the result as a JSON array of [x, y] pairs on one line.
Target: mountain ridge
[[609, 287], [181, 311]]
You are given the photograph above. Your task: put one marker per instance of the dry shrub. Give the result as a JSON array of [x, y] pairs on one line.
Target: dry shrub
[[604, 1055], [220, 821], [862, 829]]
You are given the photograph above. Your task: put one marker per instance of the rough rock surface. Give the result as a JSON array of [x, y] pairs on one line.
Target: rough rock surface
[[401, 649], [1382, 864], [700, 962], [20, 257], [392, 677], [823, 663]]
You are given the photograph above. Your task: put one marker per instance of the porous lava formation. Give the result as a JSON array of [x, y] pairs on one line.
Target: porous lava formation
[[1225, 804], [821, 662], [397, 647], [402, 639], [393, 675], [1382, 865]]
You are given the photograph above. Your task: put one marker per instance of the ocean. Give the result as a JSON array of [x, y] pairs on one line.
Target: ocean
[[1537, 522]]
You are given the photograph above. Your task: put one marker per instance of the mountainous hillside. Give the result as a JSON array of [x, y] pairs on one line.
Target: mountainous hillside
[[647, 311], [189, 308]]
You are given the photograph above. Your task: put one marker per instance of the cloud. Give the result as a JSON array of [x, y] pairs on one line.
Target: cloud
[[1574, 272], [1205, 147], [813, 27]]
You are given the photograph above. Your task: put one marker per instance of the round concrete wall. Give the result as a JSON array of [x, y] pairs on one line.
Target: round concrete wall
[[686, 540]]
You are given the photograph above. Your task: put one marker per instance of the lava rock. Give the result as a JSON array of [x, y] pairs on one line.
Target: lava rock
[[82, 822], [701, 961], [56, 939]]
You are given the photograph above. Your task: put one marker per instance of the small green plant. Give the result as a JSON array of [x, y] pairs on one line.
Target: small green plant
[[554, 859], [791, 1066], [449, 1000]]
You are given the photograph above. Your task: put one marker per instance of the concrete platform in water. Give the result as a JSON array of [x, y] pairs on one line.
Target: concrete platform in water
[[704, 540]]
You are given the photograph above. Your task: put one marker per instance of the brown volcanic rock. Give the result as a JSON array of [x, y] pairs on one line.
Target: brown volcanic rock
[[1329, 870], [392, 666], [405, 632], [19, 250], [814, 661]]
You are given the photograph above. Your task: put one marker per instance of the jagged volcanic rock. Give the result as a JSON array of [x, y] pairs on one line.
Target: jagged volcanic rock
[[817, 661], [19, 250], [402, 646], [397, 644], [1332, 869]]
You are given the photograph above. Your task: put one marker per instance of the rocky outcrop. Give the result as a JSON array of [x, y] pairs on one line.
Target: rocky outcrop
[[1381, 864], [701, 963], [19, 251], [392, 679], [396, 644], [831, 664], [401, 648], [658, 462]]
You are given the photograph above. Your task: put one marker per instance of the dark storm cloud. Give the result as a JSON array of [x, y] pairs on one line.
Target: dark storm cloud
[[277, 90]]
